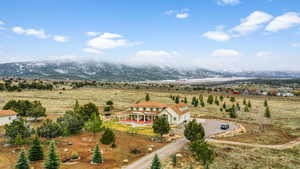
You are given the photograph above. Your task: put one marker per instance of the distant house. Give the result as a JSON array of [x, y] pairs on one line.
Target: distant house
[[146, 112], [6, 116]]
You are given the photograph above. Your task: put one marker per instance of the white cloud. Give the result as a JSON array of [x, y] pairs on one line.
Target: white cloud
[[91, 50], [253, 22], [59, 38], [169, 12], [225, 52], [92, 33], [157, 57], [32, 32], [182, 15], [2, 22], [107, 41], [216, 35], [295, 45], [263, 53], [228, 2], [284, 21]]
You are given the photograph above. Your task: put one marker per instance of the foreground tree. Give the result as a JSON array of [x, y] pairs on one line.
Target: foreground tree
[[15, 128], [22, 162], [50, 129], [52, 161], [94, 125], [202, 152], [155, 163], [87, 110], [108, 137], [71, 123], [36, 150], [193, 130], [97, 156], [161, 126]]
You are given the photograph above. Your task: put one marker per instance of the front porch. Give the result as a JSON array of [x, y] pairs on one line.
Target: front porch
[[137, 118]]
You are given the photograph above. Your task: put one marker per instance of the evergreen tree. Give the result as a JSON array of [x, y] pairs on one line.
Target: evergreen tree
[[217, 101], [94, 124], [52, 161], [193, 100], [249, 104], [177, 100], [19, 140], [161, 126], [196, 103], [36, 150], [202, 152], [221, 98], [194, 130], [238, 107], [108, 137], [155, 163], [266, 103], [202, 103], [244, 102], [147, 98], [224, 106], [246, 109], [210, 99], [22, 162], [267, 112], [185, 100], [97, 156], [232, 112], [232, 99]]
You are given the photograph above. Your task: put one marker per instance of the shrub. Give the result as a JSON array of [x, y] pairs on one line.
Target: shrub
[[50, 129], [15, 128], [108, 137]]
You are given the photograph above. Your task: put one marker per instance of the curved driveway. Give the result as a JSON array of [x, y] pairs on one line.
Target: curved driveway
[[211, 127]]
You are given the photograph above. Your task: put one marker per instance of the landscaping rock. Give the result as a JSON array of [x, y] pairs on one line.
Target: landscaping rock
[[125, 161], [150, 149], [70, 143], [66, 150], [179, 155]]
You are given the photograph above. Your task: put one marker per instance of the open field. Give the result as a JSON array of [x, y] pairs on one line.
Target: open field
[[237, 157], [285, 111]]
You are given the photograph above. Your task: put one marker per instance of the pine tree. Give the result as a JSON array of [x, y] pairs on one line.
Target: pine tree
[[108, 137], [177, 100], [249, 104], [210, 99], [147, 98], [76, 106], [244, 102], [267, 112], [224, 106], [221, 98], [22, 162], [36, 150], [156, 163], [196, 103], [202, 103], [266, 103], [97, 156], [185, 100], [52, 161], [174, 160]]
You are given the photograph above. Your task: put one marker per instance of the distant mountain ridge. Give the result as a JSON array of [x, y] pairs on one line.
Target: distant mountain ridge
[[119, 72]]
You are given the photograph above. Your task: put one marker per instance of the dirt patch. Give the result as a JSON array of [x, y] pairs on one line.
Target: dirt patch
[[83, 145]]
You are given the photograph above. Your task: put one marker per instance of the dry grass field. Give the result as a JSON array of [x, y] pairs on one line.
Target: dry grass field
[[284, 125]]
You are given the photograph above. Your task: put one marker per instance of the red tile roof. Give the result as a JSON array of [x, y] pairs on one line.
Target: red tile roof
[[4, 113]]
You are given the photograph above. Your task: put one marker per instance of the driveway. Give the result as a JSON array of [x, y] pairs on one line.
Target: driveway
[[211, 127]]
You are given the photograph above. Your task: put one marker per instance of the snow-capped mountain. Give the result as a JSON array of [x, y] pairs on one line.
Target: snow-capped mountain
[[120, 72]]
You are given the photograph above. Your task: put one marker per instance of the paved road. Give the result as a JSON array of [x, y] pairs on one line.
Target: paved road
[[211, 127]]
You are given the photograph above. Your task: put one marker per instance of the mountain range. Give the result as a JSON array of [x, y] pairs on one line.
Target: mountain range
[[121, 72]]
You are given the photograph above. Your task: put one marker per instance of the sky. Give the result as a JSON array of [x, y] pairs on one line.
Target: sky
[[231, 35]]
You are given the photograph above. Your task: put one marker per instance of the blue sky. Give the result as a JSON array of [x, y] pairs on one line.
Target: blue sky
[[215, 34]]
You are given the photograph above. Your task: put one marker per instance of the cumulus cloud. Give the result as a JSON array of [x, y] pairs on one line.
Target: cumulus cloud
[[59, 38], [284, 21], [253, 22], [228, 2], [92, 33], [263, 53], [31, 32], [217, 35], [107, 41], [182, 15], [225, 52]]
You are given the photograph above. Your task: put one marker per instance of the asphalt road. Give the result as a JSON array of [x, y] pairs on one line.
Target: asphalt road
[[211, 127]]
